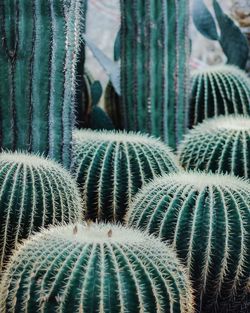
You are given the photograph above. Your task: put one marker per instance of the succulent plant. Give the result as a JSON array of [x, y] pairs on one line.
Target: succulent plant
[[154, 67], [39, 54], [219, 145], [95, 268], [218, 90], [110, 167], [206, 218], [34, 192]]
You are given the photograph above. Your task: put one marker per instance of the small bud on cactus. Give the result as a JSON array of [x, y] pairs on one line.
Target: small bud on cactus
[[110, 167], [206, 219], [218, 90], [56, 271], [34, 192], [219, 145]]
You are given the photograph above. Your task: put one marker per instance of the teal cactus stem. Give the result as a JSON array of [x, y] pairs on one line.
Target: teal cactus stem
[[110, 167], [34, 192], [40, 48], [95, 268], [206, 219], [220, 145], [154, 67], [218, 90]]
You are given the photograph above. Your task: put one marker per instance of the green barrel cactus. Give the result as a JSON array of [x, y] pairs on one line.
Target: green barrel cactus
[[218, 90], [34, 192], [110, 167], [206, 218], [39, 54], [154, 67], [95, 268], [220, 145]]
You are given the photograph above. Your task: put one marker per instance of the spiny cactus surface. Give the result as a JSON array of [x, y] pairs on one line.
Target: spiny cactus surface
[[95, 268], [39, 53], [110, 167], [34, 192], [154, 67], [218, 90], [206, 218], [220, 145]]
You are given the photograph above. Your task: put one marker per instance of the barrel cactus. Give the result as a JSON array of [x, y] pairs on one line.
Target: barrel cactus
[[218, 90], [40, 47], [206, 218], [34, 192], [110, 167], [94, 268], [221, 145]]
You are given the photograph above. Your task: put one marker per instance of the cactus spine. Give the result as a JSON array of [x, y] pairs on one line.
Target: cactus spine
[[38, 69], [218, 90], [110, 167], [34, 192], [206, 219], [219, 145], [95, 268], [154, 53]]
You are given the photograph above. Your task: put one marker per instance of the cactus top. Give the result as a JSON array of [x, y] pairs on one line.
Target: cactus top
[[223, 70]]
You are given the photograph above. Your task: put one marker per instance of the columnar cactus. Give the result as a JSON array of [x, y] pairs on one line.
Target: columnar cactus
[[113, 106], [218, 90], [95, 268], [206, 218], [154, 67], [34, 192], [219, 145], [40, 44], [110, 167]]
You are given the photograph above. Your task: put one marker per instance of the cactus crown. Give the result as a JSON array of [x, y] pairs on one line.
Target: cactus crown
[[218, 144], [34, 192], [110, 167], [218, 90], [206, 219], [95, 268]]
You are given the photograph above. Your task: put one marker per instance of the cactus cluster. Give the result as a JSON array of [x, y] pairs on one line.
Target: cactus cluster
[[41, 41], [110, 167], [218, 90], [95, 268], [220, 144], [34, 192], [154, 67], [206, 219]]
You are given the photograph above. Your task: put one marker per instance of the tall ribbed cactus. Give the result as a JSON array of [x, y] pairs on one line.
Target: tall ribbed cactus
[[95, 268], [40, 44], [206, 218], [218, 90], [154, 66], [34, 192], [219, 145], [110, 167]]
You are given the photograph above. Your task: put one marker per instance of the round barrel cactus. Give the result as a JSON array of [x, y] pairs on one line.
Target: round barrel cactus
[[218, 90], [110, 167], [221, 145], [95, 268], [34, 192], [206, 218]]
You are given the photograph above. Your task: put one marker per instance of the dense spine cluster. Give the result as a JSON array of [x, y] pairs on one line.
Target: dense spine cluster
[[218, 90], [95, 268], [206, 219], [220, 144], [154, 67], [110, 167], [41, 41], [34, 192]]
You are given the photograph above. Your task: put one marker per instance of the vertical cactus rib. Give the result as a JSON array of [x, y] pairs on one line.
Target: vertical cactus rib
[[154, 53], [95, 268], [41, 41]]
